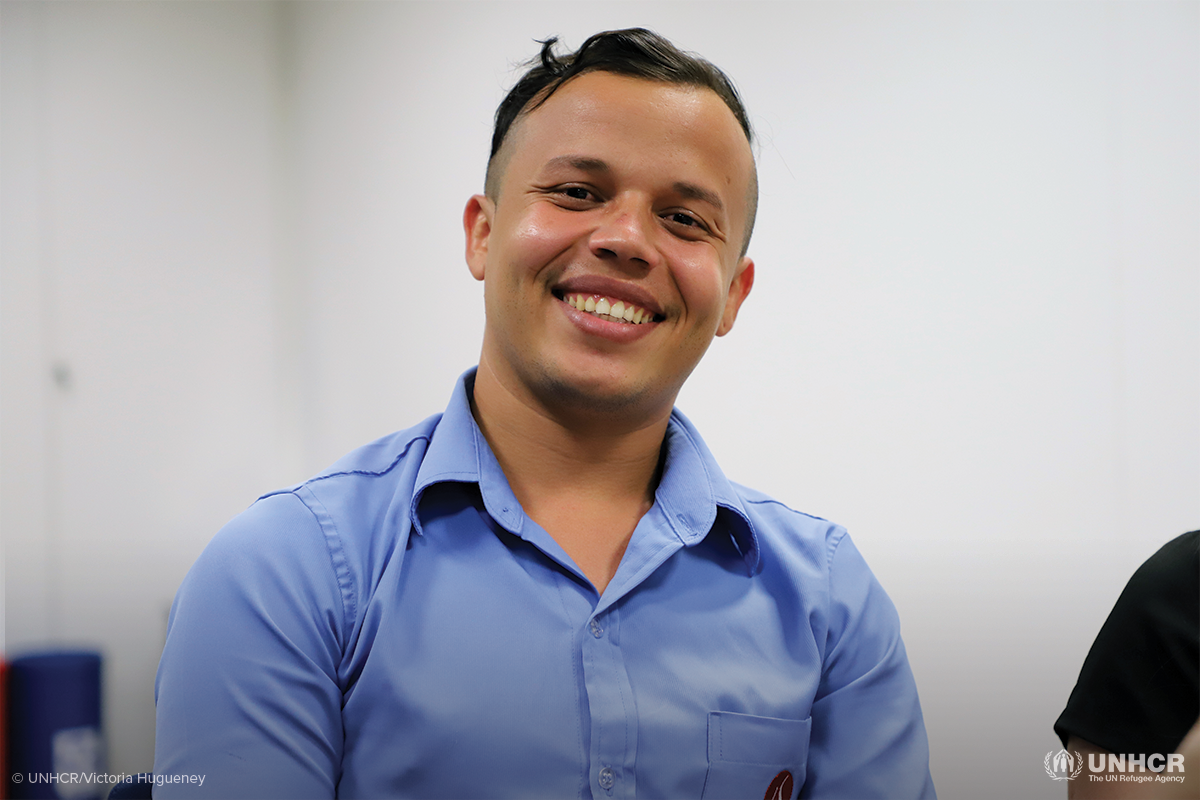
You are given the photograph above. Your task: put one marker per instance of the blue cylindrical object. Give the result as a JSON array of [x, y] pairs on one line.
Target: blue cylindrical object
[[55, 744]]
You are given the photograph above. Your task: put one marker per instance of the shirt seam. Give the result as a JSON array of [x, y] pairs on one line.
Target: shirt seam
[[367, 472], [770, 501], [836, 538], [337, 557]]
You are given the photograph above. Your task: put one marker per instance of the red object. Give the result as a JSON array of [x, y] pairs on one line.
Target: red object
[[781, 787]]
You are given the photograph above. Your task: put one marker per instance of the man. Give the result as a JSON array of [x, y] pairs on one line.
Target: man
[[551, 590]]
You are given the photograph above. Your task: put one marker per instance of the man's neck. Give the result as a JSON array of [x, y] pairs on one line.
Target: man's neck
[[586, 478]]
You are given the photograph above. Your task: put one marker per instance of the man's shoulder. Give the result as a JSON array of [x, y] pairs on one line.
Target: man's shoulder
[[815, 561], [775, 526], [364, 492], [787, 532], [348, 518], [765, 503], [387, 455]]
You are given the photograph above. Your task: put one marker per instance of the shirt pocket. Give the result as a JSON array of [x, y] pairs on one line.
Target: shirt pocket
[[746, 753]]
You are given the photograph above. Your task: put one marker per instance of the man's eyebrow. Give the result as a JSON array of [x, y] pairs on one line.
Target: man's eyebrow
[[687, 190], [583, 163], [693, 192]]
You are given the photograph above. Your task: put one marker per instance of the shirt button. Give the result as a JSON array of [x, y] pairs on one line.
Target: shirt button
[[597, 631], [607, 779]]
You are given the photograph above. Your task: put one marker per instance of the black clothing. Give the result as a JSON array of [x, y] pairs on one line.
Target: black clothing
[[1139, 689]]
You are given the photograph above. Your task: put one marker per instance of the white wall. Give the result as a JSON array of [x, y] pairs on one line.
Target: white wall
[[974, 338], [138, 236]]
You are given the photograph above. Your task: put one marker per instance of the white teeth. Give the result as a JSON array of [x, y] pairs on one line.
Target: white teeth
[[611, 309]]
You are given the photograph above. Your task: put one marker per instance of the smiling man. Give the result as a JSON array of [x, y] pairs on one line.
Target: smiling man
[[551, 590]]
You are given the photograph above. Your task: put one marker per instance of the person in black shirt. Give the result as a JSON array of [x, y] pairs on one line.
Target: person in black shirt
[[1139, 689]]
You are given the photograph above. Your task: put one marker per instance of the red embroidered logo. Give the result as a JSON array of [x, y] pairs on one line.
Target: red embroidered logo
[[780, 788]]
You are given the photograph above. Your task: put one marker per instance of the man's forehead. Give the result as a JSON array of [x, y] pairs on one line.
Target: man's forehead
[[601, 99], [633, 108], [601, 92]]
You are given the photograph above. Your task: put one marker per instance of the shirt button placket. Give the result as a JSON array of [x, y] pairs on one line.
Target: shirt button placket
[[614, 725]]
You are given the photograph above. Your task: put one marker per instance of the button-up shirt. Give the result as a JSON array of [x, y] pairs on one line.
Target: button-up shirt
[[398, 627]]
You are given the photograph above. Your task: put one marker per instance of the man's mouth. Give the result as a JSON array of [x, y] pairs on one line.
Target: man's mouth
[[607, 308]]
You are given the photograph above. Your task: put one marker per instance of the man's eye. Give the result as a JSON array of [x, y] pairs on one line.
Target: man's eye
[[684, 219], [577, 193]]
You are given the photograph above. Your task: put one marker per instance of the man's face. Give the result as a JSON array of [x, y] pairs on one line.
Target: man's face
[[617, 193]]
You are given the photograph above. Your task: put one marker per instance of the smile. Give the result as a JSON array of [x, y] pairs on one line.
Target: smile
[[606, 308]]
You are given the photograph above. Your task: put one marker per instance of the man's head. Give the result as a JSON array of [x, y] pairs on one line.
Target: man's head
[[611, 243], [634, 52]]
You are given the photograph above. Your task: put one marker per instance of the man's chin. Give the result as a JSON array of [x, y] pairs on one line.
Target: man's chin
[[575, 394]]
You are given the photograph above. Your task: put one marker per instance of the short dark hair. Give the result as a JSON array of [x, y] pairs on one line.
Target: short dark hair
[[635, 52]]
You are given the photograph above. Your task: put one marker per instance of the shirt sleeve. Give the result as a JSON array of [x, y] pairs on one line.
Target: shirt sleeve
[[1139, 688], [247, 693], [868, 735]]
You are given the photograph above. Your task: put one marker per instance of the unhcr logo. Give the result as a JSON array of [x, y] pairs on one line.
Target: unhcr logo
[[1064, 766]]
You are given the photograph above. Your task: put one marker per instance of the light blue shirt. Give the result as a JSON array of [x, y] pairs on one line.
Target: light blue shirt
[[398, 627]]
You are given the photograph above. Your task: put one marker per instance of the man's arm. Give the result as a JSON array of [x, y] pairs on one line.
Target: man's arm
[[247, 691], [1138, 690], [868, 735]]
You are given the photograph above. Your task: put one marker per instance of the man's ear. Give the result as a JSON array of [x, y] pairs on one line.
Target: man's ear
[[477, 225], [743, 281]]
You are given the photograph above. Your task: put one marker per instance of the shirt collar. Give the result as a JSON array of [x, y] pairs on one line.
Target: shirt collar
[[691, 492], [459, 453]]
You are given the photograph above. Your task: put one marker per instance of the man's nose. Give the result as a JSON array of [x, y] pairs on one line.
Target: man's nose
[[625, 234]]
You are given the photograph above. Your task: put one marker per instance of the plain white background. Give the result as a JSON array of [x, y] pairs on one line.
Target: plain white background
[[232, 252]]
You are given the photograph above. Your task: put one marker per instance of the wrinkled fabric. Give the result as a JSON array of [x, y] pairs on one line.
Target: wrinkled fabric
[[398, 627]]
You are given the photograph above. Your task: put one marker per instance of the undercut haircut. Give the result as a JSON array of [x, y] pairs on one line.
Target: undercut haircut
[[635, 52]]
